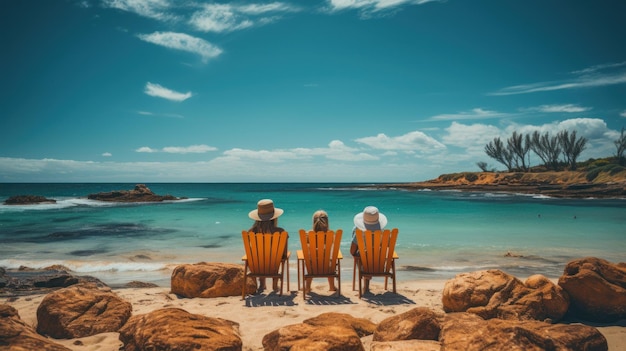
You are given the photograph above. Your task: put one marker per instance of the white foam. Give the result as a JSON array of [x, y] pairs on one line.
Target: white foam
[[87, 266]]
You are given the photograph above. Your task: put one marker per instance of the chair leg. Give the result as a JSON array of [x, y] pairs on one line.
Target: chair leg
[[245, 281], [393, 267], [299, 272], [354, 268], [287, 262], [338, 278], [360, 289]]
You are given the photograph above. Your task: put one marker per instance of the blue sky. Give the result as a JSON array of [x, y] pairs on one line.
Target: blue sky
[[300, 91]]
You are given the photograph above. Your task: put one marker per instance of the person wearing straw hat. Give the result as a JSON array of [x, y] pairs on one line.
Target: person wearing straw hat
[[369, 219], [265, 218]]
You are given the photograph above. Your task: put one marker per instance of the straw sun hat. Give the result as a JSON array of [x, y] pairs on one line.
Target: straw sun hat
[[265, 211], [369, 218]]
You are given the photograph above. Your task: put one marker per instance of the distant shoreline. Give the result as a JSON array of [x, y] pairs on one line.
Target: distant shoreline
[[553, 184]]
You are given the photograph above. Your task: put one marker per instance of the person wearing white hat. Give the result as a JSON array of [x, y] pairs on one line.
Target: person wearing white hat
[[265, 218], [369, 219]]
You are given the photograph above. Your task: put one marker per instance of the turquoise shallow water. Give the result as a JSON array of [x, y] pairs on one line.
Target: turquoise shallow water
[[441, 233]]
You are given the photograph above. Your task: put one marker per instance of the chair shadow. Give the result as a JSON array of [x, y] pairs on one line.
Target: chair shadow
[[313, 298], [271, 299], [387, 298]]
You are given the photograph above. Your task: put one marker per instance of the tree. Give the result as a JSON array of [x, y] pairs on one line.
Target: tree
[[496, 150], [518, 147], [620, 144], [572, 147], [485, 167], [547, 148]]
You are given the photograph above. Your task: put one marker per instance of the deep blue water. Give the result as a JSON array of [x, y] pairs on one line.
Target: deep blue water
[[441, 233]]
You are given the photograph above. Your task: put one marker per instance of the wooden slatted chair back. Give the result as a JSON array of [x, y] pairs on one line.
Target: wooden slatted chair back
[[376, 250], [321, 251], [264, 252]]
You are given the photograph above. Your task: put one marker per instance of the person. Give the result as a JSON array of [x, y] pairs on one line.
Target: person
[[369, 219], [265, 218], [320, 224]]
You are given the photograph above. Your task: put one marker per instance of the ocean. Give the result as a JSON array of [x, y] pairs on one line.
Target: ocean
[[441, 233]]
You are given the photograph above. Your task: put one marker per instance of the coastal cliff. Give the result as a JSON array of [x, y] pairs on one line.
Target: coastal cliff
[[571, 184]]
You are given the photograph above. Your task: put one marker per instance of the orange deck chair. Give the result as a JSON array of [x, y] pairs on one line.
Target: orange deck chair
[[265, 257], [320, 256], [377, 256]]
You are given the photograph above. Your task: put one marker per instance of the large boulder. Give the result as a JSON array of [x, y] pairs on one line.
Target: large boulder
[[328, 331], [26, 281], [361, 326], [419, 323], [28, 200], [469, 332], [81, 310], [597, 288], [495, 294], [210, 280], [312, 338], [17, 335], [177, 329]]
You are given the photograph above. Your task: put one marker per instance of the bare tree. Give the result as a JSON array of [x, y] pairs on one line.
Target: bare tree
[[485, 167], [518, 147], [620, 144], [496, 150], [572, 147], [547, 148]]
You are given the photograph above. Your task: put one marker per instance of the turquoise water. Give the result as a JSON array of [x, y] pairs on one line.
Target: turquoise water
[[441, 233]]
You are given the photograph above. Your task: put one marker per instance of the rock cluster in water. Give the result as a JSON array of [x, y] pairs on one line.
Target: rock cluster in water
[[141, 193]]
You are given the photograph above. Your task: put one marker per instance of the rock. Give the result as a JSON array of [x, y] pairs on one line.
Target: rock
[[468, 332], [597, 289], [495, 294], [419, 323], [406, 345], [209, 280], [28, 200], [17, 335], [177, 329], [25, 281], [361, 326], [81, 310], [307, 337], [141, 193]]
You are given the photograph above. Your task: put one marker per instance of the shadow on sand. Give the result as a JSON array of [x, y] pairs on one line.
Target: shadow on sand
[[387, 298], [271, 299]]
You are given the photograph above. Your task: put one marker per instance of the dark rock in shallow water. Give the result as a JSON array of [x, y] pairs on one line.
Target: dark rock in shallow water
[[28, 200], [27, 281], [141, 193]]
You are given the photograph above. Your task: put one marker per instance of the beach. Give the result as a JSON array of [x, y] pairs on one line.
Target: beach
[[261, 314]]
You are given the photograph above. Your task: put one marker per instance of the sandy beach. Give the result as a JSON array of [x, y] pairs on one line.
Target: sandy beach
[[262, 314]]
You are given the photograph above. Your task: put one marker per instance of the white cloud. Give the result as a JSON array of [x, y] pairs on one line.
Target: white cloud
[[155, 9], [472, 138], [229, 17], [107, 154], [157, 90], [567, 108], [183, 42], [413, 141], [477, 113], [623, 114], [586, 78], [373, 5], [193, 149]]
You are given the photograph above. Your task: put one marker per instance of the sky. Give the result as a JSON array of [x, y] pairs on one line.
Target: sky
[[299, 91]]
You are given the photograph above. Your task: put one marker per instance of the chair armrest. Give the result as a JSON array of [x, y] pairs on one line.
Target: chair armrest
[[300, 254], [395, 255], [340, 255], [244, 258]]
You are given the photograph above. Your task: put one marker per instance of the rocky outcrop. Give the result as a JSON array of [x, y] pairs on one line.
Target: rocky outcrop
[[495, 294], [469, 332], [328, 331], [597, 289], [81, 310], [26, 281], [141, 193], [419, 323], [177, 329], [28, 200], [17, 335], [210, 280]]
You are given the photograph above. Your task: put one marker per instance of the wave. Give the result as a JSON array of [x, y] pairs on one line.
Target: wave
[[88, 266], [62, 203]]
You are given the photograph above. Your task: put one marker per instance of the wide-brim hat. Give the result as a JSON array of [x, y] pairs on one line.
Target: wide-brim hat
[[370, 218], [265, 211]]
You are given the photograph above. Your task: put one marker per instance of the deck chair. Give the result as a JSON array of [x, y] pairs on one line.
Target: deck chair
[[377, 256], [320, 256], [265, 257]]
